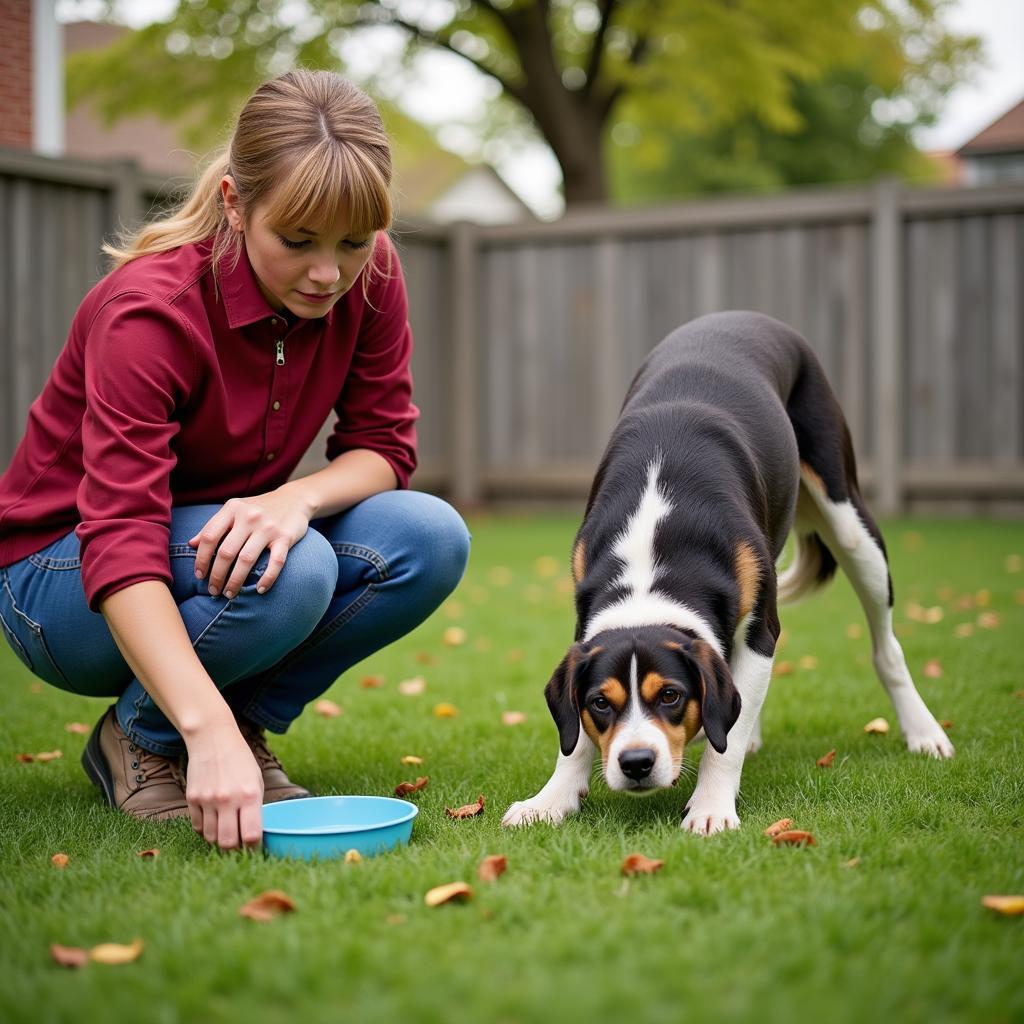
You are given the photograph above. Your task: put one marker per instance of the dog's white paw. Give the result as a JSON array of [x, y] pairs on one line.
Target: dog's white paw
[[932, 741], [709, 819], [528, 812]]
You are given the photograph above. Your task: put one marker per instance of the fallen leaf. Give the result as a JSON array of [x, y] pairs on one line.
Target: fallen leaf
[[404, 788], [425, 658], [1014, 563], [546, 566], [852, 862], [500, 576], [934, 614], [877, 725], [825, 761], [35, 687], [1018, 596], [24, 758], [412, 759], [965, 602], [514, 655], [149, 854], [988, 620], [327, 708], [412, 687], [113, 953], [68, 956], [371, 682], [794, 837], [638, 864], [467, 810], [964, 629], [783, 639], [513, 717], [854, 631], [779, 826], [945, 593], [454, 636], [1019, 693], [783, 668], [453, 609], [932, 669], [982, 598], [395, 919], [60, 860], [445, 710], [946, 724], [446, 893], [267, 905], [1009, 905], [914, 611], [808, 661], [49, 755], [353, 857], [78, 728], [492, 867]]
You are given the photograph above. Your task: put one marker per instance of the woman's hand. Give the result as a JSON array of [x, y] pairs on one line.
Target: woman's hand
[[225, 788], [242, 530]]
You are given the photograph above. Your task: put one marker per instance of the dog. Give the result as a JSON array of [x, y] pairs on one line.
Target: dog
[[730, 437]]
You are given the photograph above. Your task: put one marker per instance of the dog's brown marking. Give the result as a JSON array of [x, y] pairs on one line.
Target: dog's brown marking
[[812, 479], [602, 740], [676, 736], [615, 692], [652, 686], [748, 576], [691, 719], [578, 563], [588, 726]]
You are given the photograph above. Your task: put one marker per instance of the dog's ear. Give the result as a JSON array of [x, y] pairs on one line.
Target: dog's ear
[[562, 695], [719, 699]]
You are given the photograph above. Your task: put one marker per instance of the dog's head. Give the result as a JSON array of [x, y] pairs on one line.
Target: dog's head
[[641, 695]]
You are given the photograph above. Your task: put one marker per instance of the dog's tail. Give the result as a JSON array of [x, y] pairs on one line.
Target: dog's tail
[[811, 568]]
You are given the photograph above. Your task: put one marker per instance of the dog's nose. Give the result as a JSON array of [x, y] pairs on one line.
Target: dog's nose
[[637, 763]]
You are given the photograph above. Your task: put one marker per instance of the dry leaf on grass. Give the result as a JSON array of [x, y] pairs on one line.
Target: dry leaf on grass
[[412, 687], [353, 857], [983, 598], [327, 708], [114, 953], [1014, 563], [78, 728], [267, 905], [1009, 905], [932, 669], [492, 867], [514, 655], [445, 710], [852, 862], [779, 826], [638, 864], [68, 956], [988, 620], [546, 566], [964, 629], [513, 717], [454, 636], [783, 668], [946, 723], [60, 860], [149, 854], [412, 759], [24, 758], [879, 726], [395, 919], [49, 755], [793, 837], [404, 788], [446, 893], [467, 810], [808, 661], [825, 761], [371, 682], [425, 658]]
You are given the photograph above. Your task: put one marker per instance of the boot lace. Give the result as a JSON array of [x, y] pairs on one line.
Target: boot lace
[[150, 767]]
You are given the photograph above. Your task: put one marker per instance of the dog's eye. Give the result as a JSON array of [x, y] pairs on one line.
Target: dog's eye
[[600, 704], [670, 697]]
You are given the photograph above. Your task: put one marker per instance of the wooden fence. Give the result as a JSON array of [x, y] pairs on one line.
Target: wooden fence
[[527, 336]]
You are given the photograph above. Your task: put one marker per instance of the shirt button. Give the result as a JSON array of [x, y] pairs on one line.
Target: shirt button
[[277, 405], [270, 456], [273, 321]]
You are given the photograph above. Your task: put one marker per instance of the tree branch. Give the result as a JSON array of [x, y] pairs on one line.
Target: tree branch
[[597, 51]]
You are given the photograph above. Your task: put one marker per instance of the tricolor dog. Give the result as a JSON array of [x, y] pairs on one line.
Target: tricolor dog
[[729, 438]]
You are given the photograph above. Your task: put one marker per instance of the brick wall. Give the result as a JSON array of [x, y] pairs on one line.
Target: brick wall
[[16, 73]]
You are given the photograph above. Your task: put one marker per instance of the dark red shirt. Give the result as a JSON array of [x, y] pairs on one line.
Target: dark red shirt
[[169, 393]]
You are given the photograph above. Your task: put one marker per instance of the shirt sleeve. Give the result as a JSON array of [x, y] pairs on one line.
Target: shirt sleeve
[[139, 365], [375, 408]]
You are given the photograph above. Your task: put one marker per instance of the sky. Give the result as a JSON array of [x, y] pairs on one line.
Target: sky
[[447, 88]]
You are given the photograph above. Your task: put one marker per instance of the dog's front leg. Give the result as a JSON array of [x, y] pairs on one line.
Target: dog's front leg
[[712, 807], [562, 793]]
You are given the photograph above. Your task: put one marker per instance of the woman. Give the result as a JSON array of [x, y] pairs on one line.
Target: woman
[[152, 484]]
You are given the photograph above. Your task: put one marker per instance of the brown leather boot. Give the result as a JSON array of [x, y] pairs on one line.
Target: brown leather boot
[[276, 784], [135, 781]]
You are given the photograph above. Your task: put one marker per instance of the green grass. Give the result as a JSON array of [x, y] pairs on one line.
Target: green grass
[[731, 928]]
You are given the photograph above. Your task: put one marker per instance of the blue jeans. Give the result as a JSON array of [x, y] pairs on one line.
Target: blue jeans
[[356, 582]]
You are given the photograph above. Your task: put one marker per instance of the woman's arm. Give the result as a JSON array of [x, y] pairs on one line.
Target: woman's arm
[[225, 785]]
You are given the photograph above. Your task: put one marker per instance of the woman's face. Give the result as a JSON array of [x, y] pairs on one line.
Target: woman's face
[[296, 267]]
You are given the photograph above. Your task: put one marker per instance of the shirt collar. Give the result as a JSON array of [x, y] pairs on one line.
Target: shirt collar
[[243, 300]]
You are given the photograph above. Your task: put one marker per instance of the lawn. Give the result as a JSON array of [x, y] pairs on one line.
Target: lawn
[[732, 927]]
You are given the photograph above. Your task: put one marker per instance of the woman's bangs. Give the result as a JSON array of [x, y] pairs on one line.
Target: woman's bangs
[[327, 186]]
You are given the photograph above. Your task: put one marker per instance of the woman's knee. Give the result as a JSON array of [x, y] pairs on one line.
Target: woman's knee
[[307, 581], [436, 538]]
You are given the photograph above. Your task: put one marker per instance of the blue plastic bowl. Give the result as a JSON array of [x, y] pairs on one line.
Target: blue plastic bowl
[[323, 827]]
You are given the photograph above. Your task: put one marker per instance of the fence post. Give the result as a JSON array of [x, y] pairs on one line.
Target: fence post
[[607, 392], [887, 332], [465, 413], [126, 195]]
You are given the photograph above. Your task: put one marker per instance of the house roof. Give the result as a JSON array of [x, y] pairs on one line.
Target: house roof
[[1004, 135]]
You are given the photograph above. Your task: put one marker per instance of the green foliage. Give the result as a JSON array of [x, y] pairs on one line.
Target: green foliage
[[731, 928]]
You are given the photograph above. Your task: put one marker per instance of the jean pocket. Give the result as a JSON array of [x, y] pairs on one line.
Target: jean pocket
[[26, 639]]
